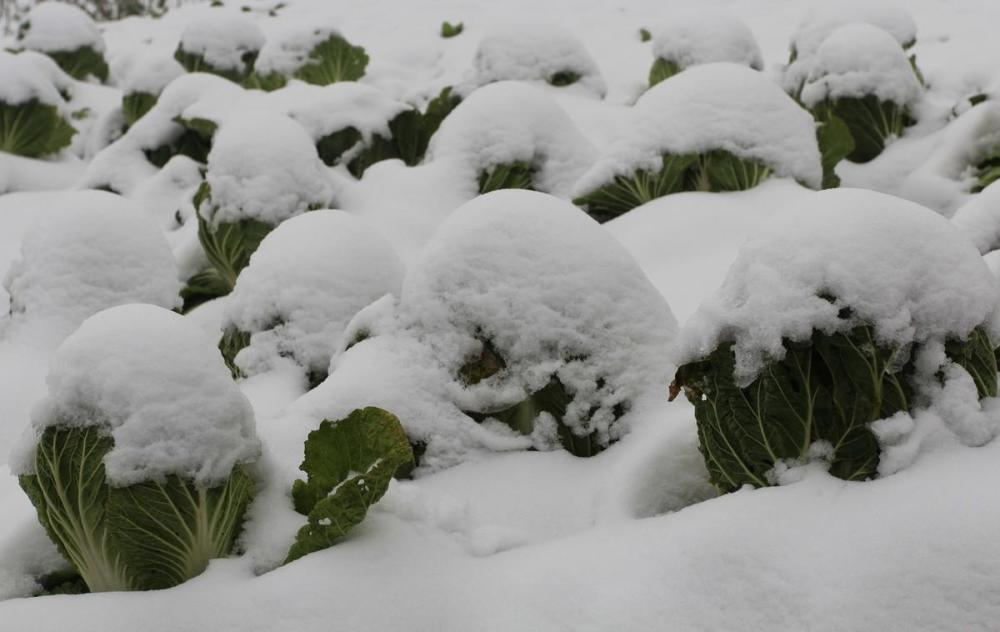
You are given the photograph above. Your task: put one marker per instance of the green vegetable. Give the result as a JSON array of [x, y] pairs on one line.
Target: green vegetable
[[451, 30], [332, 60], [348, 464], [988, 172], [81, 63], [835, 143], [871, 122], [135, 105], [228, 245], [662, 69], [233, 341], [139, 537], [33, 129], [714, 171], [195, 62], [195, 141], [564, 78], [645, 35], [203, 287], [514, 175]]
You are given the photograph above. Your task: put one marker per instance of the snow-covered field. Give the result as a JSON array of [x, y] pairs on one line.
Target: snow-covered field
[[527, 350]]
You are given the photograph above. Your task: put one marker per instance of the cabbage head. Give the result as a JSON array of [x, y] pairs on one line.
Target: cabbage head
[[871, 122], [195, 62], [33, 129], [154, 534], [228, 245], [331, 60]]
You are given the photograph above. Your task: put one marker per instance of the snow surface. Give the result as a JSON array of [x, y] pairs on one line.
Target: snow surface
[[706, 36], [20, 82], [509, 122], [858, 60], [859, 247], [714, 106], [979, 219], [58, 26], [289, 50], [159, 387], [150, 74], [323, 110], [823, 18], [222, 38], [310, 275]]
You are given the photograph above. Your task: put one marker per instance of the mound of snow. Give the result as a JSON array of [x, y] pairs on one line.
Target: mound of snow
[[264, 166], [288, 50], [858, 60], [323, 110], [823, 18], [714, 107], [21, 82], [534, 51], [57, 27], [310, 275], [158, 385], [510, 122], [706, 36], [92, 250], [979, 219], [151, 73], [898, 266], [222, 39]]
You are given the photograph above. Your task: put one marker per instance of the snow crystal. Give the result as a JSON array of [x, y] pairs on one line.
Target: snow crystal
[[222, 39], [823, 18], [264, 166], [322, 110], [858, 60], [310, 275], [979, 219], [57, 26], [898, 266], [534, 51], [151, 73], [20, 82], [706, 36], [710, 107], [90, 251], [158, 385], [509, 122], [289, 50]]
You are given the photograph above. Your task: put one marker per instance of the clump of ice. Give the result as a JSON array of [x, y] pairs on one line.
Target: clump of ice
[[714, 107], [151, 73], [509, 122], [21, 82], [898, 266], [858, 60], [323, 110], [289, 50], [310, 275], [58, 27], [91, 251], [706, 36], [264, 166], [823, 18], [534, 51], [158, 386], [222, 39]]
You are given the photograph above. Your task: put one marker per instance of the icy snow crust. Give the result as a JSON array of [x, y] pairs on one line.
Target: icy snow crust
[[509, 122], [20, 82], [57, 26], [706, 36], [222, 39], [534, 51], [91, 251], [264, 166], [898, 266], [311, 275], [159, 387], [714, 106], [858, 60]]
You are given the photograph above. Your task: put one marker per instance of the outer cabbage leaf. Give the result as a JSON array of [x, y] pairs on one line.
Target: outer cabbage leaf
[[348, 464], [988, 172], [232, 342], [135, 105], [871, 122], [81, 63], [977, 355], [33, 129], [451, 30], [228, 245], [835, 144], [203, 287], [512, 175], [194, 62], [564, 78], [334, 59], [661, 70]]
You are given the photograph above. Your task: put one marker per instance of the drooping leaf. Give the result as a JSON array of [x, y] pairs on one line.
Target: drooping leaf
[[33, 129], [987, 172], [437, 110], [232, 342], [348, 464], [661, 70], [835, 144]]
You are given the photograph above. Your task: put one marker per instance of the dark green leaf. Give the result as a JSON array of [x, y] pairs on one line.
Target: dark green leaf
[[33, 129], [334, 59], [835, 143], [515, 175], [451, 30], [977, 355], [871, 122], [625, 193], [81, 63], [661, 70], [564, 78], [233, 341], [135, 105]]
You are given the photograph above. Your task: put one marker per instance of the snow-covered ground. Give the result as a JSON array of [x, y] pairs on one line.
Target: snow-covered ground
[[490, 535]]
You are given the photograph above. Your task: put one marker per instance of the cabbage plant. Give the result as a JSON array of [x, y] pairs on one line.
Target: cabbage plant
[[221, 44], [67, 35], [318, 56], [33, 129]]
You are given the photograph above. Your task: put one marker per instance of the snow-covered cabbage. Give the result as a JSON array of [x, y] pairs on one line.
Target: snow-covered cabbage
[[525, 315], [31, 110], [68, 35], [145, 80], [509, 135], [823, 18], [138, 459], [713, 127], [979, 219], [826, 323], [263, 169], [862, 77], [92, 250], [703, 37], [221, 43], [315, 54], [302, 287], [535, 51]]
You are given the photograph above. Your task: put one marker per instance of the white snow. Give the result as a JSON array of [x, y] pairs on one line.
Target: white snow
[[151, 73], [979, 219], [706, 36], [323, 110], [858, 60], [21, 82], [159, 387], [534, 50], [288, 50], [92, 250], [509, 122], [58, 27], [308, 277], [823, 18], [898, 266], [714, 106], [222, 38], [264, 166]]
